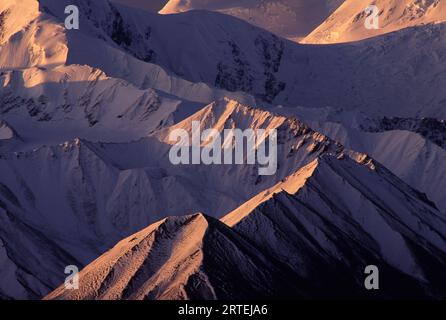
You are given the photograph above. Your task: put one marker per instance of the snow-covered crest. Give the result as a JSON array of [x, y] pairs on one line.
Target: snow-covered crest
[[88, 165], [347, 22]]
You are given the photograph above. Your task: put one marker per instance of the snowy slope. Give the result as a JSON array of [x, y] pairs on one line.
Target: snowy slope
[[236, 57], [8, 280], [55, 105], [417, 160], [88, 195], [189, 257], [50, 99], [292, 19], [327, 196], [9, 139], [32, 261], [314, 237], [209, 49], [413, 149], [171, 42], [347, 23], [431, 129], [49, 102], [297, 145], [83, 151], [125, 186], [40, 40], [28, 38], [107, 191]]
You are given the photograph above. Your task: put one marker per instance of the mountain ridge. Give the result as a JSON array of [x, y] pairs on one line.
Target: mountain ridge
[[85, 159], [248, 227], [267, 67], [347, 23]]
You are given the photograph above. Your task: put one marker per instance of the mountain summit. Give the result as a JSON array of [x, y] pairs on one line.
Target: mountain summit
[[347, 23]]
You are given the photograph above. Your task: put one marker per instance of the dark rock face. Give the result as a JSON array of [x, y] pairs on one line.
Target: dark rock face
[[124, 35], [272, 52], [120, 33], [431, 129], [235, 74]]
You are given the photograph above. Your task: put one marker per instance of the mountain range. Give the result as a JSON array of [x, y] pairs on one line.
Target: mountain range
[[85, 176], [301, 238]]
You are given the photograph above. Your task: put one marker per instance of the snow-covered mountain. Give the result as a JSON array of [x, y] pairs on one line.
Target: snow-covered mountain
[[302, 236], [85, 118], [237, 57], [292, 19], [9, 139], [189, 257], [347, 23], [310, 207], [87, 195], [108, 191], [413, 149], [213, 50]]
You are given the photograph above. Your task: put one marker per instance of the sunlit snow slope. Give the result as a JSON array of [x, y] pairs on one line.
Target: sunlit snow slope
[[85, 117], [347, 23], [319, 228]]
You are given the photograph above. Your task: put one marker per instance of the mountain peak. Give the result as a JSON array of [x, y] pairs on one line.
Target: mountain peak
[[371, 206], [321, 229], [188, 257], [347, 23]]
